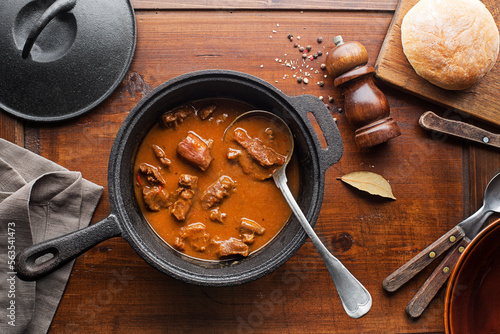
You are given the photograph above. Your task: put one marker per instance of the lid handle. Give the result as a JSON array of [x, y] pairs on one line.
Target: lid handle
[[59, 6]]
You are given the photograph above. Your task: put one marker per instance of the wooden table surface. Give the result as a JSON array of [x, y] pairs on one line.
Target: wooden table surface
[[437, 180]]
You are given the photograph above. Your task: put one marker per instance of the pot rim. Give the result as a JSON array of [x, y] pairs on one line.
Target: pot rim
[[146, 249]]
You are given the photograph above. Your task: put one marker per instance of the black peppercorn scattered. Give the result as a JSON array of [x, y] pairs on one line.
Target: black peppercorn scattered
[[323, 66], [320, 53], [320, 39], [301, 49], [308, 48]]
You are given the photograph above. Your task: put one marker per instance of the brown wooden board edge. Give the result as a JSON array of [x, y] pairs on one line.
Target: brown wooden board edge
[[361, 5], [441, 97]]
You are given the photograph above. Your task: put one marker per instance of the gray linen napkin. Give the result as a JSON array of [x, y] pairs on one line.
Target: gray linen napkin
[[39, 200]]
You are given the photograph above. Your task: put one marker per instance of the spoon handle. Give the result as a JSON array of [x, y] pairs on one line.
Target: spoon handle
[[356, 300]]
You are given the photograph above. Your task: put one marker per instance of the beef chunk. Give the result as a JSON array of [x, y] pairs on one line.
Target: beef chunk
[[153, 173], [233, 154], [179, 244], [207, 111], [252, 168], [217, 191], [155, 198], [195, 150], [266, 156], [217, 216], [188, 181], [173, 118], [195, 235], [160, 154], [232, 246], [185, 194], [248, 230], [183, 204]]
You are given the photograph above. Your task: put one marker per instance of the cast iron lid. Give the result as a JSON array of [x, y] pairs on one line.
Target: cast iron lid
[[61, 58]]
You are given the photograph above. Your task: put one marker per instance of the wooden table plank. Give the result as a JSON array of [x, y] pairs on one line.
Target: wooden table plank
[[11, 129], [389, 5]]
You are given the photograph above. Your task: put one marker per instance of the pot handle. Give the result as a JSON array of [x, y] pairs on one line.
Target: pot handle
[[63, 249], [56, 8], [306, 104]]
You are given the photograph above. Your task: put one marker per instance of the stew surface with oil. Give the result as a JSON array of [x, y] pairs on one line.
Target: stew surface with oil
[[208, 194]]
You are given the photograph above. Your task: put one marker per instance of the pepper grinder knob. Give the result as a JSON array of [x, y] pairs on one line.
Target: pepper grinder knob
[[366, 107]]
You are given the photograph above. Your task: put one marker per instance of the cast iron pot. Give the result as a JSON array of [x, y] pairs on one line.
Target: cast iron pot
[[126, 219]]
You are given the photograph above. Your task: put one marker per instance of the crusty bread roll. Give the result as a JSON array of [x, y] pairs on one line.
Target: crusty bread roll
[[451, 43]]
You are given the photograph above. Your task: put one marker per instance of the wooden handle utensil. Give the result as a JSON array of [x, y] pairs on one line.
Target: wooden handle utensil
[[433, 122], [424, 295], [408, 270], [460, 235]]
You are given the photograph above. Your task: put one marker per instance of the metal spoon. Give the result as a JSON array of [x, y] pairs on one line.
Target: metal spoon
[[466, 231], [355, 298]]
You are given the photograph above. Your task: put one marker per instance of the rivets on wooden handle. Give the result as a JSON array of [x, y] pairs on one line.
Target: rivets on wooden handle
[[461, 249], [453, 238], [432, 255], [446, 270]]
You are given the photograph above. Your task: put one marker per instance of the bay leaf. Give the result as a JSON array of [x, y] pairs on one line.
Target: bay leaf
[[372, 183]]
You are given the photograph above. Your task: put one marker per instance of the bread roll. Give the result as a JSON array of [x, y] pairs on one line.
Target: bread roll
[[451, 43]]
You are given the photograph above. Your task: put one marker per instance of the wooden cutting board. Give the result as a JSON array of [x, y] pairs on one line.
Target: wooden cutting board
[[481, 101]]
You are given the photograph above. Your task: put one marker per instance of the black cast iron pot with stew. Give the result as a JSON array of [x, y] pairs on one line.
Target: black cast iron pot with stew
[[126, 219]]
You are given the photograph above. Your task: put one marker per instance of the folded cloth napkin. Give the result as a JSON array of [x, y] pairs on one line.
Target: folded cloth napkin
[[39, 200]]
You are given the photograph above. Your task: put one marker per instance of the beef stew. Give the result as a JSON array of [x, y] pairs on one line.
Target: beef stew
[[207, 197]]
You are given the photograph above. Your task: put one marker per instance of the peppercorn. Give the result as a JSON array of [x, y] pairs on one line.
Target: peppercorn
[[308, 48], [315, 55], [323, 66], [290, 37], [321, 83], [306, 81], [295, 45], [299, 79], [301, 49], [320, 53], [304, 55], [320, 39]]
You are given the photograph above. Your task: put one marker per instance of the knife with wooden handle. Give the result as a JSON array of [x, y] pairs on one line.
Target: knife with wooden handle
[[426, 293], [407, 271], [433, 122]]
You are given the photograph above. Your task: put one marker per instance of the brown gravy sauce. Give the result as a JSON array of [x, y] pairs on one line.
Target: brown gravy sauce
[[248, 200]]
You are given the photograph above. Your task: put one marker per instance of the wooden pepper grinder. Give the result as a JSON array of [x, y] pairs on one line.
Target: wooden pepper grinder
[[365, 106]]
